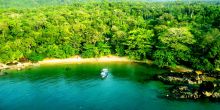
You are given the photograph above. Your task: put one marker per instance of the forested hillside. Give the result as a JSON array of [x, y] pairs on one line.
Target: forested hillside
[[175, 33], [32, 3]]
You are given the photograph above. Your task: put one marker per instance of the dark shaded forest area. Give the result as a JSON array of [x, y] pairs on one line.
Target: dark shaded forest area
[[168, 33]]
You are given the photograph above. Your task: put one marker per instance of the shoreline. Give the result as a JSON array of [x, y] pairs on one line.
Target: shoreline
[[72, 60], [77, 59]]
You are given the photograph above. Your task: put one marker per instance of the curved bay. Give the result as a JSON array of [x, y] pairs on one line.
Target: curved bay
[[79, 87]]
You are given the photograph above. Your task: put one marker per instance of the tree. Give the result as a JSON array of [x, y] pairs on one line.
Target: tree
[[174, 46], [177, 39], [139, 43]]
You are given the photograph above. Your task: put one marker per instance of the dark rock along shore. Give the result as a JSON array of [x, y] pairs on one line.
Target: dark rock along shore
[[192, 85]]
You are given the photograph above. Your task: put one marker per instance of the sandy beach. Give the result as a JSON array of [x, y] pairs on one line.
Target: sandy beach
[[77, 59], [71, 60]]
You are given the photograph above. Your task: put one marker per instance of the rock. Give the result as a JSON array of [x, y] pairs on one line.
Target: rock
[[206, 89], [19, 64], [170, 79], [216, 95], [12, 63], [207, 94], [196, 95], [2, 66], [198, 72], [192, 85], [206, 86], [2, 72], [183, 97], [183, 92], [183, 88], [214, 74], [191, 82], [182, 78], [174, 79]]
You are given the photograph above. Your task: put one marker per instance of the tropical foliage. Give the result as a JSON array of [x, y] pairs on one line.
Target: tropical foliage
[[167, 33]]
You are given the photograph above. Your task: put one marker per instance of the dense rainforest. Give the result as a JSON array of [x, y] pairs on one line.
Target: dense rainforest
[[168, 33]]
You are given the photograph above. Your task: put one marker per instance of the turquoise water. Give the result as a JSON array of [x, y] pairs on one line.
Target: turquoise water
[[79, 87]]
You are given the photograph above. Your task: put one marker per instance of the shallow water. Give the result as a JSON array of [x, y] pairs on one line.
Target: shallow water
[[79, 87]]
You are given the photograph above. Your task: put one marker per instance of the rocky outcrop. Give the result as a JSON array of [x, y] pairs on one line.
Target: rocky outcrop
[[192, 85], [16, 65], [181, 78], [194, 92]]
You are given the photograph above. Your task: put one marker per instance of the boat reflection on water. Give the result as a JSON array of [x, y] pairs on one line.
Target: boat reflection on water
[[104, 73]]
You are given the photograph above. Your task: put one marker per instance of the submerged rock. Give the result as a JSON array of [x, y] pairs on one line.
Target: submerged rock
[[183, 92], [2, 72]]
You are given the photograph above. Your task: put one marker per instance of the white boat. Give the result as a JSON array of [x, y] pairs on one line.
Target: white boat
[[104, 73]]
